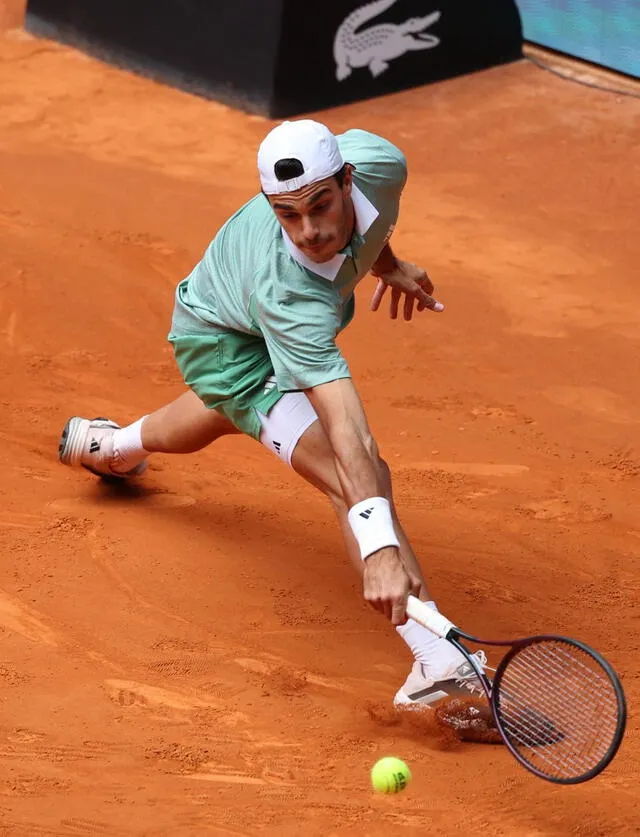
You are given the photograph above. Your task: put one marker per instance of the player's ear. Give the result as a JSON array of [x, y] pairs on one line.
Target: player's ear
[[347, 181]]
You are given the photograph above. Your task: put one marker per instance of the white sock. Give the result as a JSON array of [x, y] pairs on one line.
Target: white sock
[[127, 447], [437, 655]]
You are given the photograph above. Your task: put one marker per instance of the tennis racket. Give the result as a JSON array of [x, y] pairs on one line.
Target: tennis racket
[[557, 704]]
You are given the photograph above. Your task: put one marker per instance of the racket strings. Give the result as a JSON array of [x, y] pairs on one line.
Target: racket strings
[[558, 708]]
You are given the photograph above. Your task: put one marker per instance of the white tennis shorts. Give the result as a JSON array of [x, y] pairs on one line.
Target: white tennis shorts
[[285, 424]]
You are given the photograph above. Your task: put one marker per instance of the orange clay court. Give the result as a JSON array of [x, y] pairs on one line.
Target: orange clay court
[[193, 657]]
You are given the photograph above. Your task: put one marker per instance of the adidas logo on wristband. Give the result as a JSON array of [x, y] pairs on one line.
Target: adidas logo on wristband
[[372, 535]]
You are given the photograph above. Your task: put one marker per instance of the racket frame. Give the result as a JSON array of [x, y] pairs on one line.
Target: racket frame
[[621, 722], [444, 628]]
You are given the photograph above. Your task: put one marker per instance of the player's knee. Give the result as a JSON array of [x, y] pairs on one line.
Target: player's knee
[[384, 472], [371, 446], [382, 469]]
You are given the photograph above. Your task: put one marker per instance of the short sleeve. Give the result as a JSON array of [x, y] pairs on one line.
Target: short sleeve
[[300, 335], [377, 160]]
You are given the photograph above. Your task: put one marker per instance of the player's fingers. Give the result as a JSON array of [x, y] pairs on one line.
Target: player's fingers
[[373, 596], [399, 611], [429, 302], [381, 604], [378, 294], [369, 591], [426, 284], [395, 299], [409, 301]]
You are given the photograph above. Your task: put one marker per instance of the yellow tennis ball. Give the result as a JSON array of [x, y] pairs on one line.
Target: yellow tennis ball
[[390, 775]]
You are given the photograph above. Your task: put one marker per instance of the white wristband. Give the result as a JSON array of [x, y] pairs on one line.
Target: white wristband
[[372, 525]]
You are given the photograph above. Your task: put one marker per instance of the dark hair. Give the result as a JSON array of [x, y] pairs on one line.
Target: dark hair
[[340, 175]]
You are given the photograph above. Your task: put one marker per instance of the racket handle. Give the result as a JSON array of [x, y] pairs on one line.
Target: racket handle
[[428, 618]]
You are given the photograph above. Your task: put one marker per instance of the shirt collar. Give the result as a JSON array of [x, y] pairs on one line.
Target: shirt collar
[[365, 214], [365, 211]]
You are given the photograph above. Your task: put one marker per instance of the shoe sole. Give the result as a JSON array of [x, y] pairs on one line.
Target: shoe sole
[[72, 440], [431, 695]]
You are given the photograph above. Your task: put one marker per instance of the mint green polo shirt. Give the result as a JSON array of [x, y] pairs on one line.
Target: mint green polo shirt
[[256, 292]]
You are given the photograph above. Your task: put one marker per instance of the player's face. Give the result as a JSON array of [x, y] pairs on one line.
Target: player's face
[[318, 218]]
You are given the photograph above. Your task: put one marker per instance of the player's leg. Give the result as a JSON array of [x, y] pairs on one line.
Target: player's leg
[[313, 460], [100, 445], [185, 425], [293, 432]]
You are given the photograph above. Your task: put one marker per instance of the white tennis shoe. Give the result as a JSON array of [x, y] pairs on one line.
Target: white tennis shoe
[[420, 689], [88, 443]]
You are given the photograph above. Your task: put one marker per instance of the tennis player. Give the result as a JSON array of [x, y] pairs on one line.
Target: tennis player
[[254, 335]]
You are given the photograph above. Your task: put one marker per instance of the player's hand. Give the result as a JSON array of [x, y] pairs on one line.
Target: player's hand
[[411, 282], [387, 584]]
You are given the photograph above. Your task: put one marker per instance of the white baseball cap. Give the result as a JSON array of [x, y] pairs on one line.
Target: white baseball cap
[[310, 143]]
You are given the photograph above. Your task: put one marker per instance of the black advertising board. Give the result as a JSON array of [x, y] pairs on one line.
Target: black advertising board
[[283, 58], [363, 50], [222, 49]]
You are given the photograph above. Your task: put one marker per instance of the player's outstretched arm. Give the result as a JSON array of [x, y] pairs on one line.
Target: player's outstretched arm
[[360, 471]]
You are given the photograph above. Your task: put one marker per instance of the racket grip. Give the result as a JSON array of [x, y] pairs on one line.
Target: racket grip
[[428, 618]]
